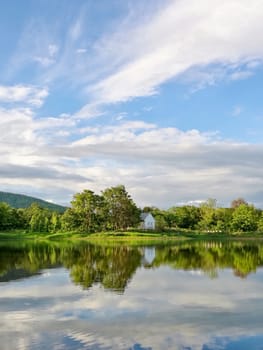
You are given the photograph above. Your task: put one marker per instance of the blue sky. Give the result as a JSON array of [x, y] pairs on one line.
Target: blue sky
[[164, 97]]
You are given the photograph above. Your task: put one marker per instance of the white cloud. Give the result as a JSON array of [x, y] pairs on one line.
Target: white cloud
[[47, 58], [26, 94], [89, 111], [182, 35], [43, 61], [76, 29], [159, 166], [237, 110], [183, 166], [198, 42], [213, 40], [52, 50], [180, 166], [81, 51], [240, 75]]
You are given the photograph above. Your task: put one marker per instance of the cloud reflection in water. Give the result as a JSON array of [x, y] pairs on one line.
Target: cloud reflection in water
[[161, 308]]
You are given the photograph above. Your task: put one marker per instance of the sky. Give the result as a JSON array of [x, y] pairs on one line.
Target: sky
[[162, 96]]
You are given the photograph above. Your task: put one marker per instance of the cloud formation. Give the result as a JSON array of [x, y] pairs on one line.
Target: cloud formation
[[143, 52], [181, 165], [183, 35], [198, 43], [23, 94]]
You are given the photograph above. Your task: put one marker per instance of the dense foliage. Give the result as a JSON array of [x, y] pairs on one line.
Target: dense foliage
[[115, 210], [240, 217]]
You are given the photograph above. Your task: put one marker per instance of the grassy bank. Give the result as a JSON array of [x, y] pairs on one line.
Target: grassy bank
[[129, 236], [95, 237]]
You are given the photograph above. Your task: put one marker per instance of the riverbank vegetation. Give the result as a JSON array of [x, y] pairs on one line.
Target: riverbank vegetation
[[114, 213]]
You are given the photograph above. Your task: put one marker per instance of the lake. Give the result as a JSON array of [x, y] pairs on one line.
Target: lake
[[187, 296]]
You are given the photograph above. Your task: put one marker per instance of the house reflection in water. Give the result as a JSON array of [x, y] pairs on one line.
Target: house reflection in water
[[148, 256]]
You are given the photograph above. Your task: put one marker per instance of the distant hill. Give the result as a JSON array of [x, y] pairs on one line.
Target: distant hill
[[21, 201]]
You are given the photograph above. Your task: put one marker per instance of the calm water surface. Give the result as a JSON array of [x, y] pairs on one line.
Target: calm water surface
[[207, 295]]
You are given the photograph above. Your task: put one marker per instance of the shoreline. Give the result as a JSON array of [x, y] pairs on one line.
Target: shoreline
[[128, 236]]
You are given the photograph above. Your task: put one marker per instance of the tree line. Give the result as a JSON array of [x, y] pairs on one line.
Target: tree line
[[114, 209], [208, 217]]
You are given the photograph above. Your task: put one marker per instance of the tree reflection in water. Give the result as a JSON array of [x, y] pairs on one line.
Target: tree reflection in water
[[114, 266]]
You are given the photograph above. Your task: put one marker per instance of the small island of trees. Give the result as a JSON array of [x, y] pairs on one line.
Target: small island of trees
[[115, 210]]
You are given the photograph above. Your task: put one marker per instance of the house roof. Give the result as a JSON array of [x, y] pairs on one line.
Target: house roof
[[143, 216]]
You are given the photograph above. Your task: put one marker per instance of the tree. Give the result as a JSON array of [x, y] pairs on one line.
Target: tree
[[186, 216], [208, 218], [19, 219], [120, 210], [223, 217], [260, 222], [237, 202], [245, 218], [39, 221], [160, 222], [87, 210], [5, 216], [55, 222], [37, 218], [70, 220], [170, 218]]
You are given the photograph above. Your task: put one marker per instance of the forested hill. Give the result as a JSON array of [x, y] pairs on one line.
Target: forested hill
[[21, 201]]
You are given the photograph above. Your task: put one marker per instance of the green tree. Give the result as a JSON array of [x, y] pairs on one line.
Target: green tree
[[120, 210], [223, 217], [208, 217], [19, 220], [260, 222], [55, 222], [160, 222], [70, 220], [5, 216], [88, 209], [245, 218], [186, 216], [39, 220]]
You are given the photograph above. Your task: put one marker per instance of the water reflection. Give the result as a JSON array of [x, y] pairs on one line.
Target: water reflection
[[114, 266], [200, 296]]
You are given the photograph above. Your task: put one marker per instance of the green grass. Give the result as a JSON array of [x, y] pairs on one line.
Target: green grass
[[18, 235], [128, 236]]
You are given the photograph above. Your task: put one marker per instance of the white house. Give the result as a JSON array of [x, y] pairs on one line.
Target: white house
[[147, 221]]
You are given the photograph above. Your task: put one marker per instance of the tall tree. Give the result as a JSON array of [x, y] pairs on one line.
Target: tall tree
[[55, 222], [39, 219], [88, 208], [186, 216], [223, 218], [70, 220], [260, 222], [245, 218], [5, 216], [120, 210], [208, 217]]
